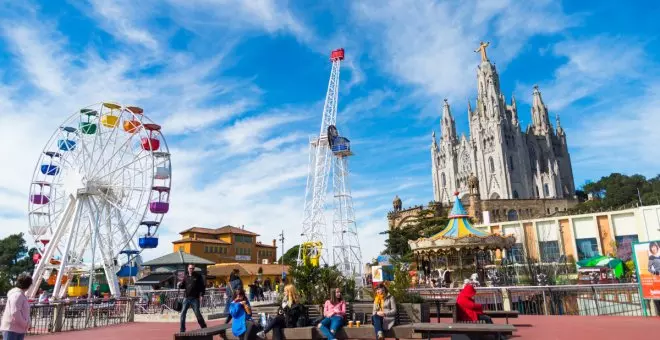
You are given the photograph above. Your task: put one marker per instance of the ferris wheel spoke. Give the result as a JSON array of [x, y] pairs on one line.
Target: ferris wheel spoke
[[125, 166], [113, 204], [116, 151]]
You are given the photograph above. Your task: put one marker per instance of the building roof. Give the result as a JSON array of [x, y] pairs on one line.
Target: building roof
[[154, 279], [459, 224], [178, 257], [259, 244], [246, 269], [222, 230], [200, 240]]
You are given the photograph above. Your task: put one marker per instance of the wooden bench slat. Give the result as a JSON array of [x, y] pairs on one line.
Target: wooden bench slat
[[202, 333], [445, 328]]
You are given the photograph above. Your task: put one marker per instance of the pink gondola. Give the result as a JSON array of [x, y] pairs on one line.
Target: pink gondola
[[161, 206]]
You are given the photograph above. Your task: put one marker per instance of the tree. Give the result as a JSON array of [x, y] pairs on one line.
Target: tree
[[429, 222], [15, 258], [617, 190], [315, 284], [291, 256]]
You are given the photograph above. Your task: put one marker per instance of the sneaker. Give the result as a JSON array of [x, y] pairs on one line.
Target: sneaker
[[261, 334], [381, 336]]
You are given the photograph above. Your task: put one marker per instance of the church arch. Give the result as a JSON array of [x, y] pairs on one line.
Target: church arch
[[515, 194], [512, 215], [494, 196]]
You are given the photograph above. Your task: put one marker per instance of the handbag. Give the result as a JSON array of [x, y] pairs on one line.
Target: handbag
[[178, 302]]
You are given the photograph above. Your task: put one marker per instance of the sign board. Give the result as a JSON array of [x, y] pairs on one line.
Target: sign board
[[382, 273], [243, 257], [647, 262]]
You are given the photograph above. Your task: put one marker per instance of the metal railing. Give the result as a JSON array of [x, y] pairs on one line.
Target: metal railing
[[601, 299], [78, 314], [164, 301]]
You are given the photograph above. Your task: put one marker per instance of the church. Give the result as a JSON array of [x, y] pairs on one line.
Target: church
[[500, 160]]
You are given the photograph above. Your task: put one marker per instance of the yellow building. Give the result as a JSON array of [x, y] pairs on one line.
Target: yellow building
[[226, 245], [577, 237], [249, 272]]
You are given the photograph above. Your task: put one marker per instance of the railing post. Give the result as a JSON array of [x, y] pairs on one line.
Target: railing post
[[130, 310], [506, 299], [58, 317], [596, 300], [545, 302], [653, 310]]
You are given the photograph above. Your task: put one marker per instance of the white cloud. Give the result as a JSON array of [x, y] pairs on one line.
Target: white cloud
[[122, 20], [429, 43], [592, 67]]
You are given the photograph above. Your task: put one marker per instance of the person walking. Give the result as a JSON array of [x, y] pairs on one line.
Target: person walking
[[16, 317], [194, 286]]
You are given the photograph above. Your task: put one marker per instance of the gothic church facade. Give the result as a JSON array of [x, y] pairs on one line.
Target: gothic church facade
[[508, 162]]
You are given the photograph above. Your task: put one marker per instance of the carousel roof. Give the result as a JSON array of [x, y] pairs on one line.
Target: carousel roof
[[459, 224], [459, 233]]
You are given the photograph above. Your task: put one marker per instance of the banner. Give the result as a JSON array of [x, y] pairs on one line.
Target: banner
[[647, 262]]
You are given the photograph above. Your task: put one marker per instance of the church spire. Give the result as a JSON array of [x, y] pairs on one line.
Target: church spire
[[448, 124], [540, 119]]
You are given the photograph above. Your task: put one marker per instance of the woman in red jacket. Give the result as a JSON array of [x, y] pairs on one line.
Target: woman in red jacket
[[467, 309]]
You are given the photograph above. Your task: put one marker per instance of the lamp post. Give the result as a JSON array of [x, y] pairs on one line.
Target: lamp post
[[282, 245]]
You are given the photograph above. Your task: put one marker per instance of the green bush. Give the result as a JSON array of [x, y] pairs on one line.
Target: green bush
[[315, 284]]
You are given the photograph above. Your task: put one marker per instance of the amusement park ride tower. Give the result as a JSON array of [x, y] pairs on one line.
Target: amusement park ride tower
[[346, 253]]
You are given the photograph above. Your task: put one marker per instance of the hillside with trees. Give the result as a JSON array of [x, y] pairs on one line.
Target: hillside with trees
[[618, 191]]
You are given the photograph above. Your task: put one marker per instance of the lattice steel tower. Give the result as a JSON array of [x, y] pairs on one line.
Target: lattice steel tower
[[346, 249]]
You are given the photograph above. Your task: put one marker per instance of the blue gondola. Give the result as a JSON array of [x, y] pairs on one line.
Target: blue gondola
[[148, 241], [341, 144]]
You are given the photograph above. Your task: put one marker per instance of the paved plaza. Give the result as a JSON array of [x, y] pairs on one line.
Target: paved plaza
[[528, 327]]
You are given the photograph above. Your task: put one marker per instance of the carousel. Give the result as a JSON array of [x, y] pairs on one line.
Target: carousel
[[460, 250]]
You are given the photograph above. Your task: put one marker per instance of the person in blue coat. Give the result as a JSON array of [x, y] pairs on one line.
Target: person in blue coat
[[242, 326]]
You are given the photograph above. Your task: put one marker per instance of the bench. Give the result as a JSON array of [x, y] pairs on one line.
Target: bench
[[464, 331], [203, 333], [215, 316]]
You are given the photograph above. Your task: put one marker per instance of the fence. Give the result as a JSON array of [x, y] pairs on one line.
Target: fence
[[164, 301], [603, 299], [77, 315]]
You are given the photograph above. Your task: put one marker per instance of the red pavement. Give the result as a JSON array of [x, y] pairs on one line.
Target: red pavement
[[528, 327]]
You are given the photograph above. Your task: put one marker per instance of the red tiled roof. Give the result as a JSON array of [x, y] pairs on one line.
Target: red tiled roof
[[259, 244], [200, 240], [223, 230]]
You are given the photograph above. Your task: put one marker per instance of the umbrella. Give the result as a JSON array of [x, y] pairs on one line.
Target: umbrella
[[603, 261]]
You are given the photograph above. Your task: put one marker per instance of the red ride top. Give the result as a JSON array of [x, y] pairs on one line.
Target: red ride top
[[337, 54]]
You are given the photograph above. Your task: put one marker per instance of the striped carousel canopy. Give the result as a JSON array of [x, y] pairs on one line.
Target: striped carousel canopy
[[459, 224]]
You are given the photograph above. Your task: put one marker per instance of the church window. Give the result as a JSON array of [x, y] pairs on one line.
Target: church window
[[491, 164], [512, 215], [511, 163], [443, 179], [465, 160], [546, 190], [515, 194]]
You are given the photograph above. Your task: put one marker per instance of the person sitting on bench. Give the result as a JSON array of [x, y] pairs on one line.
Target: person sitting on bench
[[242, 326], [384, 312], [334, 312], [287, 315], [467, 309]]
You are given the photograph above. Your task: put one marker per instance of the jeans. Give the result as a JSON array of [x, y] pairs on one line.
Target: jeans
[[377, 321], [194, 302], [276, 324], [330, 326], [7, 335]]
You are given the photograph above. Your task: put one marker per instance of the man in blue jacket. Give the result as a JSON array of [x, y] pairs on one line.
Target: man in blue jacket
[[195, 287]]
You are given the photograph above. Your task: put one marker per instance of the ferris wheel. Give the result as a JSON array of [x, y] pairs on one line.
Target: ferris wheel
[[100, 189]]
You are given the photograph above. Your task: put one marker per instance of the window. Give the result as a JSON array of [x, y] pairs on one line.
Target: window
[[243, 239], [491, 164], [515, 194], [444, 180], [549, 251], [206, 249], [586, 248], [516, 253], [512, 215], [624, 246], [546, 190], [511, 163]]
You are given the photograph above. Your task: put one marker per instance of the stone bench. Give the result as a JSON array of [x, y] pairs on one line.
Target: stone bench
[[460, 331], [203, 333]]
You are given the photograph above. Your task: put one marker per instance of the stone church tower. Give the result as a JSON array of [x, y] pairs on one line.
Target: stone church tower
[[509, 163]]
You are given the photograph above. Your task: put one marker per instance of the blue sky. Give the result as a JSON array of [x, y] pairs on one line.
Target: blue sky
[[239, 86]]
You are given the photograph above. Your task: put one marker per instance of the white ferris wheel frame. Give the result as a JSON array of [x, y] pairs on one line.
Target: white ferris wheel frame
[[99, 196]]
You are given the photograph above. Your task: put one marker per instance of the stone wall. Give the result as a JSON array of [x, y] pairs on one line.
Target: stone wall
[[500, 210]]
